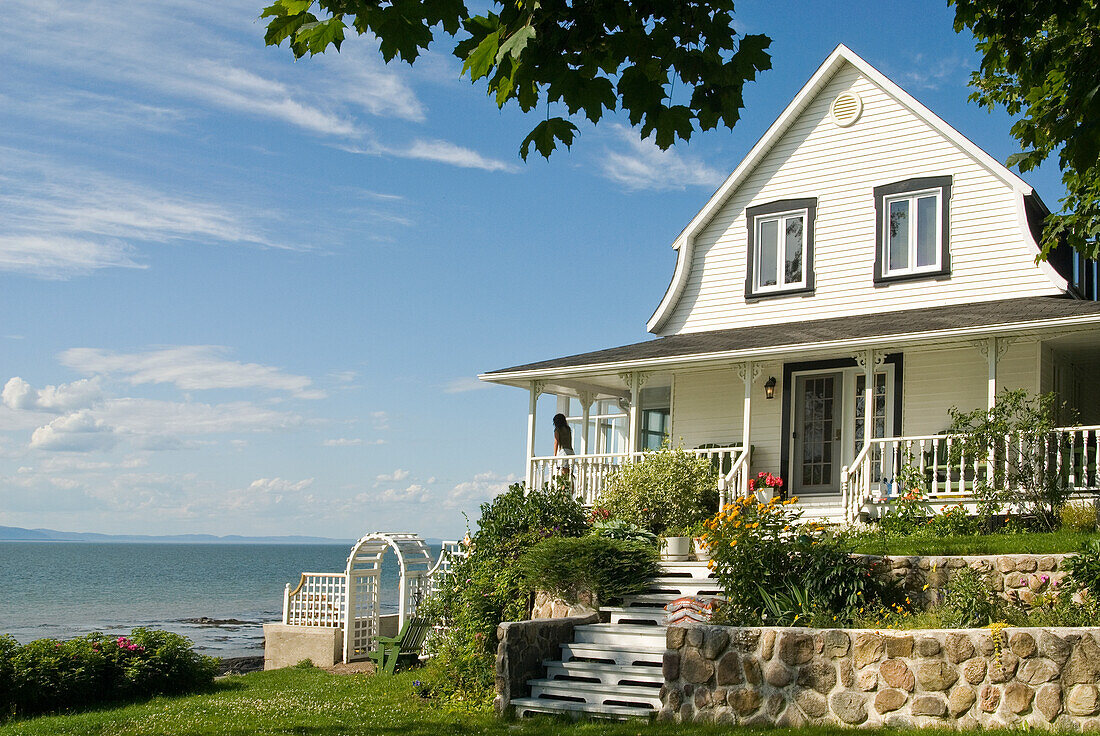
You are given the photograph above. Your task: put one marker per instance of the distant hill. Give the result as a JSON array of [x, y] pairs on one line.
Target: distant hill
[[18, 534]]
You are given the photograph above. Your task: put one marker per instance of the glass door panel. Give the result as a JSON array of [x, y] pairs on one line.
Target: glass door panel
[[817, 433]]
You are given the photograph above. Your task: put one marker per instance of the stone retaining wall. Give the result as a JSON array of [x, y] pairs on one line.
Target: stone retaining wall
[[1019, 577], [1045, 678], [521, 648], [549, 606]]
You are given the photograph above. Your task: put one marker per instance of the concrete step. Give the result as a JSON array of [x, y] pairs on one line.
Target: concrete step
[[683, 586], [595, 693], [658, 598], [622, 634], [606, 674], [621, 655], [530, 706], [636, 615], [692, 569]]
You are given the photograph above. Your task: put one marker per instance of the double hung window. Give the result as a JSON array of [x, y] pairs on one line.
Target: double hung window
[[913, 226], [780, 256]]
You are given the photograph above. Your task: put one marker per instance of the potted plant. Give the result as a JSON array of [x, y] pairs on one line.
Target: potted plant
[[676, 544], [699, 544], [765, 486]]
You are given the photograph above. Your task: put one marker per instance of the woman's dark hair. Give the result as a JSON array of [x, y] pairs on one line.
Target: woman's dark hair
[[559, 421]]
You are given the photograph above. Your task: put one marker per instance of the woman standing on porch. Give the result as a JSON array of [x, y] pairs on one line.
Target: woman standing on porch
[[563, 440]]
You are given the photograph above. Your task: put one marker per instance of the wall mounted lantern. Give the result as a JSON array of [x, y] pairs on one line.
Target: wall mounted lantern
[[769, 388]]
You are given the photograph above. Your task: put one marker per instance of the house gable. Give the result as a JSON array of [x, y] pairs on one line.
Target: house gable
[[807, 154]]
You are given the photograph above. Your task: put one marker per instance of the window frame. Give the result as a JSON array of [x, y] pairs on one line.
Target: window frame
[[777, 211], [911, 190]]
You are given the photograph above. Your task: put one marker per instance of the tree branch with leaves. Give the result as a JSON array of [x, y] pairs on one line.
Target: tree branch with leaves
[[592, 56]]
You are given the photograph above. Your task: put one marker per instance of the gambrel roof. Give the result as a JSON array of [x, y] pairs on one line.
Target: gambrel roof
[[840, 57]]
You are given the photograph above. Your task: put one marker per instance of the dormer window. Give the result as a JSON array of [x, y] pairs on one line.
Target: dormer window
[[780, 257], [913, 228]]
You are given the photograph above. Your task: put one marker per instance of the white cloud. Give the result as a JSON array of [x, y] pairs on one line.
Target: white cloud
[[342, 442], [398, 474], [65, 397], [59, 257], [932, 71], [413, 493], [436, 150], [188, 367], [642, 165], [483, 487], [77, 432], [380, 420], [464, 384]]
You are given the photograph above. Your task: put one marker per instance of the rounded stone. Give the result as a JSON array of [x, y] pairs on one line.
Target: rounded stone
[[811, 703], [702, 698], [1047, 563], [753, 674], [818, 675], [991, 698], [959, 647], [960, 700], [1002, 669], [928, 647], [695, 636], [795, 648], [767, 645], [928, 705], [729, 669], [868, 648], [936, 676], [897, 674], [974, 670], [849, 707], [675, 636], [1036, 671], [776, 703], [1005, 564], [1083, 700], [1022, 644], [836, 644], [1083, 666], [745, 700], [1053, 647], [1027, 564], [899, 646], [670, 666], [889, 700], [694, 668], [1018, 697], [868, 681], [777, 674], [1048, 701], [714, 643]]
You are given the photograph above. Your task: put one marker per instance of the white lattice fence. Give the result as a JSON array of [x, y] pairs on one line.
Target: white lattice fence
[[317, 601]]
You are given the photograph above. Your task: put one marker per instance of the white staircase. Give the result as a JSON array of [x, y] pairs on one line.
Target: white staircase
[[613, 670]]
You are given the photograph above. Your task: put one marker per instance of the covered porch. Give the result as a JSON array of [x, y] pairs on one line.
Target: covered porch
[[836, 407]]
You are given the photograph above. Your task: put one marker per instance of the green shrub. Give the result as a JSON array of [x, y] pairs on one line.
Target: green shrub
[[610, 568], [1079, 517], [969, 600], [50, 675], [619, 529], [666, 491], [766, 561], [1084, 568], [953, 521], [488, 587]]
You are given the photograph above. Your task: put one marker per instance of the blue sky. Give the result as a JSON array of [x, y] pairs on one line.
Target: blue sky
[[246, 295]]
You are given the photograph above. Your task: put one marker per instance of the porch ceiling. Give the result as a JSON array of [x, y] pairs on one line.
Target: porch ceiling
[[909, 326]]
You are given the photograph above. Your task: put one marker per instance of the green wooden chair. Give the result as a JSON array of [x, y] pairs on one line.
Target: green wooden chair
[[405, 646]]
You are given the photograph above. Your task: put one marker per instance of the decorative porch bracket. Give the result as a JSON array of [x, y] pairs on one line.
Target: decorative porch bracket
[[748, 371], [634, 381]]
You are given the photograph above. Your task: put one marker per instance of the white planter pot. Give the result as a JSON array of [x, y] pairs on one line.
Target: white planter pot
[[676, 549], [701, 548], [764, 494]]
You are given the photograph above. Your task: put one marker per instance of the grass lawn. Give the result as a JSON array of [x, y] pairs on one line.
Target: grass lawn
[[316, 703], [987, 544]]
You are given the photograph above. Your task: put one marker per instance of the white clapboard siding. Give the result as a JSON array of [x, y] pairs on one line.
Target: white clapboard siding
[[991, 258]]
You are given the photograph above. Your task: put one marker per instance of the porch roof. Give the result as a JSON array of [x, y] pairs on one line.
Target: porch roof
[[908, 325]]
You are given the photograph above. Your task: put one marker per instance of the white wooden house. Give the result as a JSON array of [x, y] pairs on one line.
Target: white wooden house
[[863, 270]]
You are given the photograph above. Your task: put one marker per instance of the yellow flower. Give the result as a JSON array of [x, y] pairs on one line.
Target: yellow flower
[[733, 543]]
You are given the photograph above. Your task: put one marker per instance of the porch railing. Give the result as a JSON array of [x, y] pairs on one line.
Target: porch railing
[[876, 473], [589, 474]]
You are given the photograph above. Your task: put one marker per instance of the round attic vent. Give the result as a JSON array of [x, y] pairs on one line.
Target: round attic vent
[[846, 109]]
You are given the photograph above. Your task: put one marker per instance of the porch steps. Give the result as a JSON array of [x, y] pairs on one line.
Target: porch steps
[[613, 670]]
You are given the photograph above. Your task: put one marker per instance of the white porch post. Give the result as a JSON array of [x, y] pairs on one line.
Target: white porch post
[[586, 398], [991, 353], [748, 372], [868, 397], [535, 390], [635, 415]]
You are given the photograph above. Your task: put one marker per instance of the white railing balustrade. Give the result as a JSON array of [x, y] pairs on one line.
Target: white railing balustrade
[[735, 483], [319, 600], [949, 475], [589, 473]]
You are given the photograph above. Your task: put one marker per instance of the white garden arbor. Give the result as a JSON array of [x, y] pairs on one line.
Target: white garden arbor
[[352, 600]]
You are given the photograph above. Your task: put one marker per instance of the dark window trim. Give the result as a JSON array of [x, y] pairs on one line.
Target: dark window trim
[[895, 359], [943, 183], [771, 208]]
